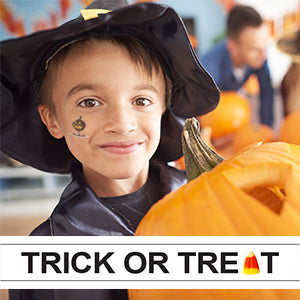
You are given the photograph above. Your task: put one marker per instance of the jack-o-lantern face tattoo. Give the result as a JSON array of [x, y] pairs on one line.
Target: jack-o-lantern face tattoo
[[79, 125]]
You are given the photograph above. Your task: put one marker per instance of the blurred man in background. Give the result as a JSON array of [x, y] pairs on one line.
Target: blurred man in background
[[243, 53]]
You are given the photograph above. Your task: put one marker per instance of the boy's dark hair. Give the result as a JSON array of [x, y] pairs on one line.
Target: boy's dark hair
[[240, 17], [139, 54]]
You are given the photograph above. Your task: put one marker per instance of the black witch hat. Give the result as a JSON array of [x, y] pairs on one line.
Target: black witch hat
[[23, 66]]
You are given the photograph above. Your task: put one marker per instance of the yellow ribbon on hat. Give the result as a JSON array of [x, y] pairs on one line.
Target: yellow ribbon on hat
[[88, 14]]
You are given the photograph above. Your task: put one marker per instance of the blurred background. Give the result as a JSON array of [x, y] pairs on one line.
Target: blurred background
[[28, 195]]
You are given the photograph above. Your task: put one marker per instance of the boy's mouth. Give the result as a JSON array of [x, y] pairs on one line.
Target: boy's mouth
[[121, 147]]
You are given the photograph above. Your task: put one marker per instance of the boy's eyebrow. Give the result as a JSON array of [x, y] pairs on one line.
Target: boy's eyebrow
[[80, 87], [146, 87]]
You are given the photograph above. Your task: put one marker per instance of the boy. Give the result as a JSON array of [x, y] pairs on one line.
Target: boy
[[109, 90]]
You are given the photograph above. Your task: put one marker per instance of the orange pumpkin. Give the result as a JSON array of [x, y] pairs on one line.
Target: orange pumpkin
[[290, 128], [232, 112], [261, 187], [253, 193], [252, 133]]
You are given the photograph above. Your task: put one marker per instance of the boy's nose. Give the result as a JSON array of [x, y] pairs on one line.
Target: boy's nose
[[120, 121]]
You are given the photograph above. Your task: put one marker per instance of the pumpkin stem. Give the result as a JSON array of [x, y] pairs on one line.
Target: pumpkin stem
[[198, 157]]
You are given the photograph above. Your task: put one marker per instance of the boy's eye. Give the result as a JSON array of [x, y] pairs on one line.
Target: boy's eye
[[89, 102], [142, 102]]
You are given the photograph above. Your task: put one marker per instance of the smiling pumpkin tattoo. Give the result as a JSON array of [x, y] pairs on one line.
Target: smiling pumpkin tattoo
[[79, 125]]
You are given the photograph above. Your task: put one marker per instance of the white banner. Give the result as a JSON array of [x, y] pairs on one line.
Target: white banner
[[150, 262]]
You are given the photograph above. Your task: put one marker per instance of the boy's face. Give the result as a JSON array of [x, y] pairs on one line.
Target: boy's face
[[108, 110]]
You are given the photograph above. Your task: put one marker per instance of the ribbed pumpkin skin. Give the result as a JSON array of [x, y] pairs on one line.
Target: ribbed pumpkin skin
[[216, 204]]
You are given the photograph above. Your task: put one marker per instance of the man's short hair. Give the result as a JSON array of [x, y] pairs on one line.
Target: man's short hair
[[240, 17]]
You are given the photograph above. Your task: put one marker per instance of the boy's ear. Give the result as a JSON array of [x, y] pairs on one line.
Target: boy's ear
[[49, 119]]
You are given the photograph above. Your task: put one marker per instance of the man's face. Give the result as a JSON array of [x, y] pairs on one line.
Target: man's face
[[108, 110], [250, 46]]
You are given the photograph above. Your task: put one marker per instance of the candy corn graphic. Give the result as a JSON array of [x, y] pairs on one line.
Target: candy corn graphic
[[251, 266]]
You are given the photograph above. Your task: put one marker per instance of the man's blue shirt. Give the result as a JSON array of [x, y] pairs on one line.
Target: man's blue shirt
[[218, 63]]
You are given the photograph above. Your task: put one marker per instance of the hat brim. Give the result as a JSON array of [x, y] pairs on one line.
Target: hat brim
[[23, 62]]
